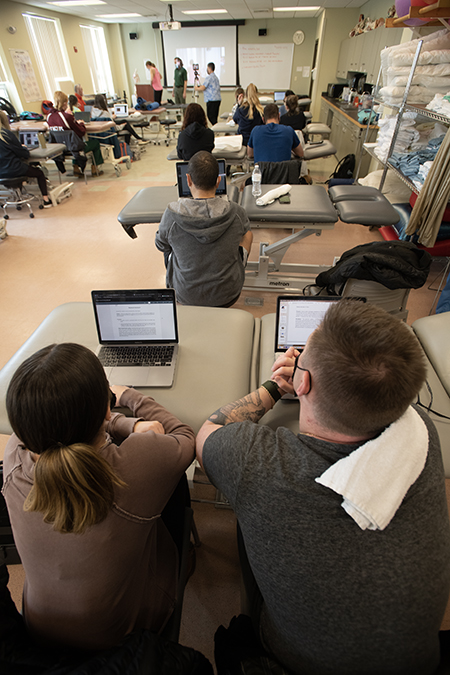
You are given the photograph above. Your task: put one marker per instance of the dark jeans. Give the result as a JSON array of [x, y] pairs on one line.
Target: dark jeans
[[212, 111], [35, 172], [173, 512]]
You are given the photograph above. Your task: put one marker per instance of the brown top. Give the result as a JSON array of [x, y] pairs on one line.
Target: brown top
[[90, 590]]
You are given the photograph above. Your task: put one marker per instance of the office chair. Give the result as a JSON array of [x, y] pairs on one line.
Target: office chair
[[74, 145], [392, 301]]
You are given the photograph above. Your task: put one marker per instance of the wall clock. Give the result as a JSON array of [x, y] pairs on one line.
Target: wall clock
[[298, 37]]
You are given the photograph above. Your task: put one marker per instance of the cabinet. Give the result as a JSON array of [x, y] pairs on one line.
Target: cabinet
[[361, 53]]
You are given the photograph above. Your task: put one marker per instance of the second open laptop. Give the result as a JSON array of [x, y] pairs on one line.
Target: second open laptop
[[183, 187], [121, 110], [138, 336], [297, 317]]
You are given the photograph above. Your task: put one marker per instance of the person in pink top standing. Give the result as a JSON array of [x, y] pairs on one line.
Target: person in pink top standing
[[155, 80]]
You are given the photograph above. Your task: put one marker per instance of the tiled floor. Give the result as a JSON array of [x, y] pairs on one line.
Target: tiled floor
[[67, 251]]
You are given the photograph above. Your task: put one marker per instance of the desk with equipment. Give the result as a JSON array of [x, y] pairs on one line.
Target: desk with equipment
[[214, 341]]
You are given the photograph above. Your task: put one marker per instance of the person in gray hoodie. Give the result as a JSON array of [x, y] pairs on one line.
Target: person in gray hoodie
[[205, 240]]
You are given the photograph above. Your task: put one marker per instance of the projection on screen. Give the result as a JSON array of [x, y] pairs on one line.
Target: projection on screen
[[202, 45]]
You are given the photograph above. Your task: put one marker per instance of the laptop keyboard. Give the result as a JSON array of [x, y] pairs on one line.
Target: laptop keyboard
[[136, 356]]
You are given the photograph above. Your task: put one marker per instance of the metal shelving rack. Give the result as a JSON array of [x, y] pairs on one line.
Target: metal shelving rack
[[418, 109]]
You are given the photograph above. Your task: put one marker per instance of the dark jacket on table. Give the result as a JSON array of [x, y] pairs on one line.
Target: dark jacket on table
[[56, 123], [395, 264], [245, 124], [193, 139], [11, 154], [297, 122]]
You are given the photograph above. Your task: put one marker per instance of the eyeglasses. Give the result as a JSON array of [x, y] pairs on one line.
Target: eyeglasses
[[300, 368]]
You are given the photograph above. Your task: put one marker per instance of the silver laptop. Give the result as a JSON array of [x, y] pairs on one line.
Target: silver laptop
[[297, 317], [121, 110], [138, 336]]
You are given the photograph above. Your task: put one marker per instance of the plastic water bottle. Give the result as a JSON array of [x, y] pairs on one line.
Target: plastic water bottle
[[256, 181]]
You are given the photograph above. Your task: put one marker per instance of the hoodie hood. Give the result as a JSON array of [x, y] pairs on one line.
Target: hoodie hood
[[204, 219], [195, 130]]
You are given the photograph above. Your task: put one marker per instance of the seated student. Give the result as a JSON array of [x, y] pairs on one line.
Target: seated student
[[238, 97], [86, 491], [100, 112], [60, 119], [294, 117], [195, 134], [283, 109], [345, 530], [79, 96], [249, 114], [206, 240], [273, 142], [73, 104], [12, 159]]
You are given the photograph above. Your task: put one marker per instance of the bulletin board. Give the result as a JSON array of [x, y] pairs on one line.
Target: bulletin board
[[268, 66]]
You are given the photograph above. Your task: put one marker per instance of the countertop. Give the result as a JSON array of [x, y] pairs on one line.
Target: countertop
[[348, 111]]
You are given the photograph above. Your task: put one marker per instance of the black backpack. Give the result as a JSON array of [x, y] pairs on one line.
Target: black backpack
[[344, 168]]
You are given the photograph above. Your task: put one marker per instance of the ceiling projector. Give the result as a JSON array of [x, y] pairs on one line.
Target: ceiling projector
[[169, 25]]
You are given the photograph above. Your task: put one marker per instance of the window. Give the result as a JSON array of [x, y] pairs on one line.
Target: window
[[50, 52], [97, 58], [3, 82]]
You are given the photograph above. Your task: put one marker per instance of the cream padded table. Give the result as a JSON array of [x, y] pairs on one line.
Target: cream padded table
[[149, 204], [216, 360], [309, 212]]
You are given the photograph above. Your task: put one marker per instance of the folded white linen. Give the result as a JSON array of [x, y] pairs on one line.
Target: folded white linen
[[270, 196], [228, 143], [375, 478]]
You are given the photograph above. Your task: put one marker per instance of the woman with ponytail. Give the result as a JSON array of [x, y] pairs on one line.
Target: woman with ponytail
[[88, 492], [249, 114]]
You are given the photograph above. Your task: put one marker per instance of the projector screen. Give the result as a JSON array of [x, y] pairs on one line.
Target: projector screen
[[202, 45]]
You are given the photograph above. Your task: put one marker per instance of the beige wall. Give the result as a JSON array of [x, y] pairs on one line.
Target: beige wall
[[11, 15]]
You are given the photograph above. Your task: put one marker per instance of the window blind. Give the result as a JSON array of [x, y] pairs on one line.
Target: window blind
[[49, 50], [97, 58]]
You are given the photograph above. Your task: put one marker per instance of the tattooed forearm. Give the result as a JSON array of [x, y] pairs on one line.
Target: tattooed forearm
[[250, 408]]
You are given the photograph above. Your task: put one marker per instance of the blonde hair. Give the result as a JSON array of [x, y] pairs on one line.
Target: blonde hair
[[60, 99], [57, 402], [4, 125], [252, 101], [73, 488]]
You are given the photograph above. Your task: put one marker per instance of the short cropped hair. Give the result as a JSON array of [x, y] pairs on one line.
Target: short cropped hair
[[203, 169], [271, 111], [211, 65], [366, 368]]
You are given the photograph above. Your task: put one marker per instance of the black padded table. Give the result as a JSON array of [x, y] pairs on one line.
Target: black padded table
[[362, 205], [149, 204], [309, 212]]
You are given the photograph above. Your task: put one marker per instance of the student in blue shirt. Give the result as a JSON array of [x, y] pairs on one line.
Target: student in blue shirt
[[211, 89], [273, 142]]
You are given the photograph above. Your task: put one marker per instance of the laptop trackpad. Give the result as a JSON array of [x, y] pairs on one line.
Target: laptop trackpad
[[129, 376]]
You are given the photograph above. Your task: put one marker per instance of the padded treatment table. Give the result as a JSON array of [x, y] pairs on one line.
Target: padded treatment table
[[309, 212], [224, 128], [361, 205], [218, 342], [49, 152], [318, 150], [433, 334], [230, 157], [149, 204]]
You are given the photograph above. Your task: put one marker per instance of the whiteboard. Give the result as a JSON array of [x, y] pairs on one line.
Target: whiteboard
[[267, 66]]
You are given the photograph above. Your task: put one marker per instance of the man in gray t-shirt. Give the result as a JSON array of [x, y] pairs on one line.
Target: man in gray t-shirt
[[340, 590]]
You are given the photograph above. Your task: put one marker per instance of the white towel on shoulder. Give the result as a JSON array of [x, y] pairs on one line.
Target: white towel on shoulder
[[375, 478]]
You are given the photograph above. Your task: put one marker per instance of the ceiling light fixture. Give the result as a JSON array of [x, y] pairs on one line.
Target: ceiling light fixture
[[76, 3], [205, 11], [116, 16], [296, 9]]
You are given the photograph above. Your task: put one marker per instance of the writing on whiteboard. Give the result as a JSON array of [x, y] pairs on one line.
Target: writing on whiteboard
[[266, 65]]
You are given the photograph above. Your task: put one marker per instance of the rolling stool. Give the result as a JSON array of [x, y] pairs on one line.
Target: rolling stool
[[166, 123], [18, 195]]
